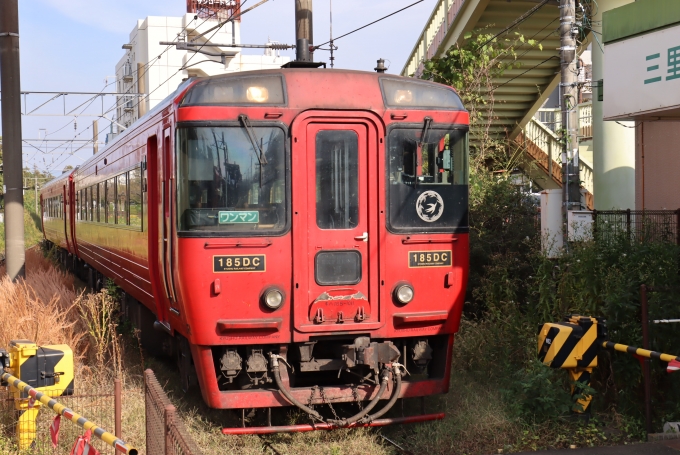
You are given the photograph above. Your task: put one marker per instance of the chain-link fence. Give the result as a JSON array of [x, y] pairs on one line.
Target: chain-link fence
[[645, 226], [165, 432], [25, 425]]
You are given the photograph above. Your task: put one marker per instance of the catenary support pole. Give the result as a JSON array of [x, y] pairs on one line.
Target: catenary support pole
[[569, 105], [95, 137], [11, 131], [304, 30]]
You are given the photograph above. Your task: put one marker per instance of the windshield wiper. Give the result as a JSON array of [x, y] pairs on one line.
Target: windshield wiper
[[253, 140]]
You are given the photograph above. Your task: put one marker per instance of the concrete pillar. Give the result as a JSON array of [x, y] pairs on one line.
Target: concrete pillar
[[613, 143]]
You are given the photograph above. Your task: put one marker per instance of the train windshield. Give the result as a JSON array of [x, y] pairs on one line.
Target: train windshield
[[428, 179], [231, 180]]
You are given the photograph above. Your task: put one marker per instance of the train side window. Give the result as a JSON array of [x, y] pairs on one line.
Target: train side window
[[122, 200], [337, 179], [135, 183], [79, 205], [94, 200], [83, 205], [91, 201], [111, 201], [86, 210], [101, 206]]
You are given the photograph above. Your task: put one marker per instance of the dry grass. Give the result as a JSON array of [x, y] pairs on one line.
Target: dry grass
[[41, 308]]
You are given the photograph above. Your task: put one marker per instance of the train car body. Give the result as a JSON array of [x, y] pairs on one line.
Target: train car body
[[317, 216]]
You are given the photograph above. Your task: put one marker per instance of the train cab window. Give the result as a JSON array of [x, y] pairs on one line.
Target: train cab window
[[428, 179], [135, 184], [101, 205], [111, 201], [122, 200], [231, 180], [337, 179]]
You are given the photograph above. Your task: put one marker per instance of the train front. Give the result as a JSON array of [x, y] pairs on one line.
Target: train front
[[321, 237]]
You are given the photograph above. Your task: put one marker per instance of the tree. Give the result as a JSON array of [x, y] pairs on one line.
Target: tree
[[67, 168]]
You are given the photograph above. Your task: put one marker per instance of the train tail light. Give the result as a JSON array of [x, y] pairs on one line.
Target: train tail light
[[272, 298], [403, 293]]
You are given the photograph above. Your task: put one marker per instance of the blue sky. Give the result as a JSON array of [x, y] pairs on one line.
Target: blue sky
[[74, 44]]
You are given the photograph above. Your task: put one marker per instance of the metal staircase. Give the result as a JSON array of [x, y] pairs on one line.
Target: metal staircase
[[520, 92]]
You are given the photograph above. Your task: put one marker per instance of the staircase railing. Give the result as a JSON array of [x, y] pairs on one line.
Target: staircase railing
[[547, 141], [552, 118]]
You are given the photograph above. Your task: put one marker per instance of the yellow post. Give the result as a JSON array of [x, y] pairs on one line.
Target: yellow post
[[26, 425], [580, 376]]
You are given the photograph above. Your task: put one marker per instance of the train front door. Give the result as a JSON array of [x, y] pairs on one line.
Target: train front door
[[335, 222]]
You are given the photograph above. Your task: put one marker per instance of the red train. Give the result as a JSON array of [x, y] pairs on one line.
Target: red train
[[283, 230]]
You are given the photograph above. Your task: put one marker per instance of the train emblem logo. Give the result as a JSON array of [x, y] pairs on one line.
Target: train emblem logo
[[430, 206]]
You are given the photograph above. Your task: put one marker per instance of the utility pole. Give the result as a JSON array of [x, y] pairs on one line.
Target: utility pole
[[571, 195], [304, 30], [11, 129]]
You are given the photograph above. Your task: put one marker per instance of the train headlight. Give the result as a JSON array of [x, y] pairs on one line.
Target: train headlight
[[257, 94], [272, 298], [403, 293], [403, 97]]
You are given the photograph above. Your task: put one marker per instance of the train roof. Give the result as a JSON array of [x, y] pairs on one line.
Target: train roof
[[57, 180], [319, 79]]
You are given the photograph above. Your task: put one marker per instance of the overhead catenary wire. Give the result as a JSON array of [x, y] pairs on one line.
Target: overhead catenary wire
[[145, 67], [367, 25], [141, 73]]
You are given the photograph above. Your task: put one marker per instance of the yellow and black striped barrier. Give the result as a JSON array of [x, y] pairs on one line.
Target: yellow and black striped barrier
[[573, 345], [62, 410], [668, 358]]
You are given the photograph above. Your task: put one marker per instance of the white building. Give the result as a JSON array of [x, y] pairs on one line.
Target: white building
[[141, 70]]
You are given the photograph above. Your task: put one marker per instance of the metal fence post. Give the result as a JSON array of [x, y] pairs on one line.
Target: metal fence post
[[168, 417], [117, 408], [628, 222], [645, 365], [677, 226]]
